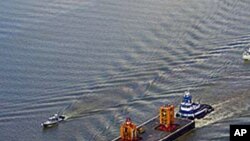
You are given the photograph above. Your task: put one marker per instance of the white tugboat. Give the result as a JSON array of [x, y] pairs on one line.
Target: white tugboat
[[246, 54], [191, 110], [52, 121]]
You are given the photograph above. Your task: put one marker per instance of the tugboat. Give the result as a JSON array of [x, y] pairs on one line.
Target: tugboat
[[191, 110], [53, 121], [246, 54]]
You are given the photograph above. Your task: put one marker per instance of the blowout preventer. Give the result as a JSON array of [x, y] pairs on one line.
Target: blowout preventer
[[167, 118], [167, 115], [128, 131]]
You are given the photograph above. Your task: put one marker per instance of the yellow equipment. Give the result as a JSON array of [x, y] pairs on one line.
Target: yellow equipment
[[128, 131], [167, 115]]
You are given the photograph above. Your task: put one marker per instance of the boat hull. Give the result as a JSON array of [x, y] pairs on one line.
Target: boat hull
[[206, 109], [152, 134], [246, 57], [49, 125], [53, 121]]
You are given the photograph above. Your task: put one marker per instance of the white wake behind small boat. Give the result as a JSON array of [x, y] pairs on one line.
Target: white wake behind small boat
[[246, 54], [53, 121]]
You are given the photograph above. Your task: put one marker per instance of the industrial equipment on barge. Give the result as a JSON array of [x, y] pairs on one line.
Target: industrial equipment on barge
[[163, 127]]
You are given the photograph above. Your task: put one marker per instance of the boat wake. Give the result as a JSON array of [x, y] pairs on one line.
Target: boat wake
[[228, 108], [106, 100]]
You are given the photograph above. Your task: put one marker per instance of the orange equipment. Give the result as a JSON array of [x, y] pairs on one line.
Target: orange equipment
[[167, 118], [167, 115], [128, 131]]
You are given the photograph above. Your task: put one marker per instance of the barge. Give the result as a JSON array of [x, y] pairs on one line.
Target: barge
[[163, 127]]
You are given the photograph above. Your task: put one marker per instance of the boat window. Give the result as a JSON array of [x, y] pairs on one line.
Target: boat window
[[185, 106]]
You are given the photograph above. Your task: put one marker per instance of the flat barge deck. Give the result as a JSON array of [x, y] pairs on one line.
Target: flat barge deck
[[150, 133]]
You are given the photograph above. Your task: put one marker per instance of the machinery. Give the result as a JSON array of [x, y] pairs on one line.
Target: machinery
[[167, 119], [163, 127], [128, 131]]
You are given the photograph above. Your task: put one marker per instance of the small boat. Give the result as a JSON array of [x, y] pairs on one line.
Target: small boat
[[53, 121], [191, 110], [246, 54]]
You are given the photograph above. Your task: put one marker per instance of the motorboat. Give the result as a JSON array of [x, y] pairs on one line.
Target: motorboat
[[191, 110], [246, 54], [53, 121]]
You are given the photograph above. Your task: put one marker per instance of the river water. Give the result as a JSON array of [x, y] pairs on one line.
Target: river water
[[100, 61]]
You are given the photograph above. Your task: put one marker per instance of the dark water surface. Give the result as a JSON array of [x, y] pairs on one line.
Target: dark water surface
[[98, 62]]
